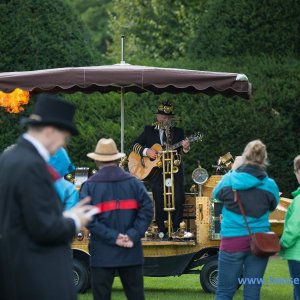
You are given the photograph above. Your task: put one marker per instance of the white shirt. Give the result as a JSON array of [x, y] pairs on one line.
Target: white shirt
[[38, 146]]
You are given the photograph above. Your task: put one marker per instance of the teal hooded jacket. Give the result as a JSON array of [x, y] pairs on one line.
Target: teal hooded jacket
[[258, 193]]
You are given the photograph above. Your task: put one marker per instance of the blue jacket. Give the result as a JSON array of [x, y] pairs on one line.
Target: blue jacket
[[113, 183], [258, 193], [61, 162], [65, 190]]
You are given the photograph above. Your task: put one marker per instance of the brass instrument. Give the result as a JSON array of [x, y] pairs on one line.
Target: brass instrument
[[169, 169], [226, 160], [70, 178], [80, 175], [225, 164], [177, 161]]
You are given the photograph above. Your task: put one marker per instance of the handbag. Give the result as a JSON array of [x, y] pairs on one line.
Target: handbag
[[262, 244]]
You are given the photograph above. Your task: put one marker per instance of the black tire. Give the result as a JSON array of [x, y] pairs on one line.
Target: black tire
[[209, 276], [81, 275]]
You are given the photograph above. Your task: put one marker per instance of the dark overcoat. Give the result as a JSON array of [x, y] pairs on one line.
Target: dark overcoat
[[35, 256]]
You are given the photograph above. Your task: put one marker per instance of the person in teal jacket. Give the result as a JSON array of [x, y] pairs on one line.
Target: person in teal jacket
[[290, 240], [66, 190], [259, 196]]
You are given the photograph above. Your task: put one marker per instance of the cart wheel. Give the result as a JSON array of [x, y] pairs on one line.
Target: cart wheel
[[209, 276], [81, 276]]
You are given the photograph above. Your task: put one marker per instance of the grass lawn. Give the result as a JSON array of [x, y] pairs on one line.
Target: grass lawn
[[187, 287]]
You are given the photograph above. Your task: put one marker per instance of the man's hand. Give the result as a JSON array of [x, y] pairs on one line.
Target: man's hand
[[123, 240], [80, 212], [151, 153], [186, 145]]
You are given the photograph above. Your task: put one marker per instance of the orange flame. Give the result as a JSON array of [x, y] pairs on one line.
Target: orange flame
[[12, 102]]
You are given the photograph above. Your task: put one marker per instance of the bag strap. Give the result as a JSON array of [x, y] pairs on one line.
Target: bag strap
[[238, 200]]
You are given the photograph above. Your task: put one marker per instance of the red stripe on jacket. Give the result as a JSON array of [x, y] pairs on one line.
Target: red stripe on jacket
[[117, 204]]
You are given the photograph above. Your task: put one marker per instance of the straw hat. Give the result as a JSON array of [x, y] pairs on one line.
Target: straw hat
[[106, 150]]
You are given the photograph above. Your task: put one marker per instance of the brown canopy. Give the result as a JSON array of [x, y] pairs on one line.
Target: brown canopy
[[130, 78]]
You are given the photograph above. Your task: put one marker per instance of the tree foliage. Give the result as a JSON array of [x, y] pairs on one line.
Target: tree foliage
[[248, 27], [38, 34], [94, 13], [153, 29]]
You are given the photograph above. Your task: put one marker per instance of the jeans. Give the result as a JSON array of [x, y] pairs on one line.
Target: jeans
[[234, 265], [294, 267], [131, 278]]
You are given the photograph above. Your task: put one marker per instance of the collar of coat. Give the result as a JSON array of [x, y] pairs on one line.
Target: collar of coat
[[296, 193], [110, 173]]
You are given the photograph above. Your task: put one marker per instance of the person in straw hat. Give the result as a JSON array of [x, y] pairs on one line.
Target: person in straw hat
[[35, 234], [124, 214]]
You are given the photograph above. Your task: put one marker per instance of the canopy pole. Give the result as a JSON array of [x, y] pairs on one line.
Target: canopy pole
[[122, 49], [122, 96], [122, 119]]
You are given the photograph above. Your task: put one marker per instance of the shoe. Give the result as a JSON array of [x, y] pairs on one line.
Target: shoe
[[180, 234], [188, 235]]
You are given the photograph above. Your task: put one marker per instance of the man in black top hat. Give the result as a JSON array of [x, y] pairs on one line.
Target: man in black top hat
[[35, 234], [156, 134]]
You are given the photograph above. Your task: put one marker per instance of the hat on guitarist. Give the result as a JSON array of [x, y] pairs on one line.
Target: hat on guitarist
[[165, 108]]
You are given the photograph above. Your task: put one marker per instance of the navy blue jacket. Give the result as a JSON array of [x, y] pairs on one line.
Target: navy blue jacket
[[113, 183], [258, 193]]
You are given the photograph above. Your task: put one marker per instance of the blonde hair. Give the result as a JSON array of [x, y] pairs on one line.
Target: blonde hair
[[297, 163], [255, 153]]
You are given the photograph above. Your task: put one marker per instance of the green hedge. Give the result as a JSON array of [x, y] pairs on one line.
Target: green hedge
[[38, 34]]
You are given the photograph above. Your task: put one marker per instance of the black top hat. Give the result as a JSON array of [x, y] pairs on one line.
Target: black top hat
[[50, 110], [165, 109]]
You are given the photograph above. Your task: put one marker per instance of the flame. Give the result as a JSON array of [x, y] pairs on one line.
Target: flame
[[12, 102]]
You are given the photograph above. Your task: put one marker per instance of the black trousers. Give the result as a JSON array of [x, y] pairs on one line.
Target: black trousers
[[158, 196], [131, 278]]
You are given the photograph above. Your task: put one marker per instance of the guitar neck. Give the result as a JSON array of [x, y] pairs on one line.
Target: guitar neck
[[177, 145], [192, 138]]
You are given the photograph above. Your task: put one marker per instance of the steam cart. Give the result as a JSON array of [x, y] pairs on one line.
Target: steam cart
[[191, 250]]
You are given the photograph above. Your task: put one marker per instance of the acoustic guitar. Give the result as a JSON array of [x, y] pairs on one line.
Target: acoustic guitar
[[144, 167]]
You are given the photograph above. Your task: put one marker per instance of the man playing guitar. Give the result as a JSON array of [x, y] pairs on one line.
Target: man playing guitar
[[156, 134]]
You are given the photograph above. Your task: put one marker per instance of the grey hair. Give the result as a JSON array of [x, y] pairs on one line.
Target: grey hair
[[255, 153]]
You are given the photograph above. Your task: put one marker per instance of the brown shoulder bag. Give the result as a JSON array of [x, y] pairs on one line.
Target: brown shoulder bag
[[262, 244]]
